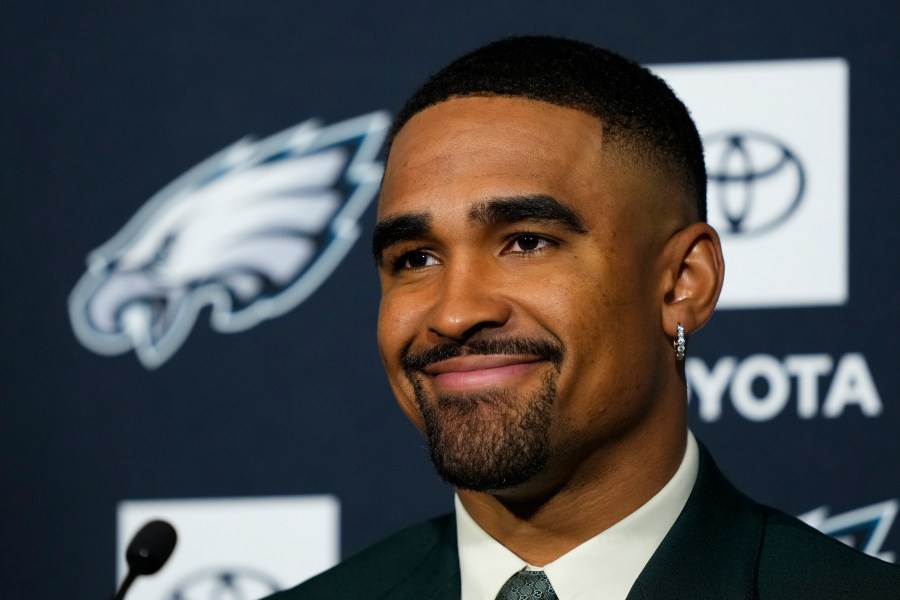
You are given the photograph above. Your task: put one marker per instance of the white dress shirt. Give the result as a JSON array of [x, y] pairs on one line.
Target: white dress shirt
[[604, 567]]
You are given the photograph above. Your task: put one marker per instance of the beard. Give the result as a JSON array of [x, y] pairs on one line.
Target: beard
[[489, 440]]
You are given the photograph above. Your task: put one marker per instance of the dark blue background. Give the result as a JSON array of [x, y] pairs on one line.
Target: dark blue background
[[102, 103]]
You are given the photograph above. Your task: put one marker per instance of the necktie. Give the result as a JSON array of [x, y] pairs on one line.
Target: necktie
[[526, 585]]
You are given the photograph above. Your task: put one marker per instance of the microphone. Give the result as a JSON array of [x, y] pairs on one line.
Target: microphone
[[148, 551]]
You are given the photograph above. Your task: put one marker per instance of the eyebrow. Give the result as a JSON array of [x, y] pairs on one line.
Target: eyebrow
[[496, 211], [538, 207], [396, 229]]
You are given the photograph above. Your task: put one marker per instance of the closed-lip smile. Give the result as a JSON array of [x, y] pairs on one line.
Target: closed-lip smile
[[480, 370]]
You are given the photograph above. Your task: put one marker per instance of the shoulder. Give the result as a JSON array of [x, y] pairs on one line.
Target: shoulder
[[742, 549], [799, 562], [379, 568]]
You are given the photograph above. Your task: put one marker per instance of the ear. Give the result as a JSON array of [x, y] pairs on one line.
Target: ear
[[694, 270]]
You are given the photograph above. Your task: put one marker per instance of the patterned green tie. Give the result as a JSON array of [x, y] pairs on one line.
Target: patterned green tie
[[526, 585]]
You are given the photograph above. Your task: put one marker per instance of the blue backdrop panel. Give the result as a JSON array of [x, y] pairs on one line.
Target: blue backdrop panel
[[105, 103]]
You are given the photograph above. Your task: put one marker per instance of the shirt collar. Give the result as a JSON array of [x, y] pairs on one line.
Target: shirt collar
[[606, 565]]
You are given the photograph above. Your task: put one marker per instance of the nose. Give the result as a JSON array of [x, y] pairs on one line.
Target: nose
[[469, 300]]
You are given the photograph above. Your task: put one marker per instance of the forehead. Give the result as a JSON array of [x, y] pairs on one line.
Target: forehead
[[467, 149]]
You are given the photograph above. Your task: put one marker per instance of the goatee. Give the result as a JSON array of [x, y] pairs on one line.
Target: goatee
[[491, 440]]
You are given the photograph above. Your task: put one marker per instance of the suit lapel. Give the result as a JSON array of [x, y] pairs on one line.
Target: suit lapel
[[713, 548], [436, 576]]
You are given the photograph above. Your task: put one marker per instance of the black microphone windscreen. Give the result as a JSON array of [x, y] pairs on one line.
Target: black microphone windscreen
[[151, 547]]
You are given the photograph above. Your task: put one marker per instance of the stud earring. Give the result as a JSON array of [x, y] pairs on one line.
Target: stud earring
[[679, 343]]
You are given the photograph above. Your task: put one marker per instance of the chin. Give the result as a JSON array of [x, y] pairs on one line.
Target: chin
[[488, 441]]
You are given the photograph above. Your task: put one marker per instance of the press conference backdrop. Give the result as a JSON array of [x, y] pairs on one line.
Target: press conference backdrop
[[189, 300]]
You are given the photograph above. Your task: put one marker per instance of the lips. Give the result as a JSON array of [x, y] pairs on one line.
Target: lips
[[477, 371]]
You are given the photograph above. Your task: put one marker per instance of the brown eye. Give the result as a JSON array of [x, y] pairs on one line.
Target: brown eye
[[417, 259], [414, 260], [526, 243]]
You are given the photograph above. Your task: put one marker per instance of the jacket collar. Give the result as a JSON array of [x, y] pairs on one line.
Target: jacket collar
[[438, 572], [712, 550]]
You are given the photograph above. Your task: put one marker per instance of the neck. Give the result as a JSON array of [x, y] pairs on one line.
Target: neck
[[545, 519]]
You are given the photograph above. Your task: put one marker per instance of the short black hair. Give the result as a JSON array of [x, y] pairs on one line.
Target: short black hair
[[637, 110]]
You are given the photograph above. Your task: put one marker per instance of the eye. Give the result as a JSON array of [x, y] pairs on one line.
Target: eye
[[415, 259], [527, 243]]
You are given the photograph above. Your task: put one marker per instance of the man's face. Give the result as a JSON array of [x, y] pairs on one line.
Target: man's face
[[520, 312]]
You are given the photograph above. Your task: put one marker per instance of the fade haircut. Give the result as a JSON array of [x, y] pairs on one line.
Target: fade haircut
[[640, 115]]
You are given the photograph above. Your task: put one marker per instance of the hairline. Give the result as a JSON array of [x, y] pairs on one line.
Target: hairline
[[615, 138]]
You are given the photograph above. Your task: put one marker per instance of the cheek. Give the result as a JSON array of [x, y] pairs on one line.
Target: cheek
[[399, 320], [396, 329], [602, 319]]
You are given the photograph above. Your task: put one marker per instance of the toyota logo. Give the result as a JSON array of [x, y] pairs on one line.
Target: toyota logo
[[755, 181]]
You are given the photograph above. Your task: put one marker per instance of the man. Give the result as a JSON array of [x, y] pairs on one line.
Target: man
[[543, 254]]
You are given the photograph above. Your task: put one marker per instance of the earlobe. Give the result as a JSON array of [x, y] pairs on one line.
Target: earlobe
[[696, 271]]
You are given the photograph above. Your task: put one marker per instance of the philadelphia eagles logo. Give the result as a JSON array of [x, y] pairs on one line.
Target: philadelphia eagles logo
[[864, 528], [250, 232]]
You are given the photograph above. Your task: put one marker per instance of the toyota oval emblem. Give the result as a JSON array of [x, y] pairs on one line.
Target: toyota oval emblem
[[755, 181]]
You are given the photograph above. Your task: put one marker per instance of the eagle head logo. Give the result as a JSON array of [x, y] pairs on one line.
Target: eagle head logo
[[250, 232]]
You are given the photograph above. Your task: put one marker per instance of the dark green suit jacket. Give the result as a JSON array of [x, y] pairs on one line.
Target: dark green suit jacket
[[723, 546]]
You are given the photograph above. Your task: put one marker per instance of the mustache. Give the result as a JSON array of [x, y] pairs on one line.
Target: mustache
[[546, 349]]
